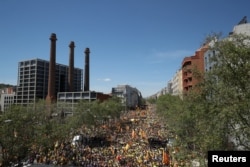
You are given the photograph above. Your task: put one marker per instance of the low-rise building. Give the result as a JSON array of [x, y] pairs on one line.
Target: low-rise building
[[68, 100], [7, 96], [6, 101]]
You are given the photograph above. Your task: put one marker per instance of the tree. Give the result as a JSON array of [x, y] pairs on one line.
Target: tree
[[27, 128], [231, 89], [215, 116], [152, 100], [89, 112], [112, 107], [16, 133]]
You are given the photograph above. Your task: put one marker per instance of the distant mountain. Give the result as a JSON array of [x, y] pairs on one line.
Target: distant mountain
[[2, 85]]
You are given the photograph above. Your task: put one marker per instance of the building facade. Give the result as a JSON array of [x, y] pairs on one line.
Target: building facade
[[7, 96], [208, 63], [190, 65], [32, 81], [131, 97], [242, 28], [6, 101], [177, 84], [68, 100]]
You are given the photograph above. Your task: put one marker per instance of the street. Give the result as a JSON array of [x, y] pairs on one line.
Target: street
[[139, 138]]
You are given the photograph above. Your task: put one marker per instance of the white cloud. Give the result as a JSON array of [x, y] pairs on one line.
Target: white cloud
[[104, 79]]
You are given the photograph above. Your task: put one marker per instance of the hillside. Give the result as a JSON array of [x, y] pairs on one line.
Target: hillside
[[3, 85]]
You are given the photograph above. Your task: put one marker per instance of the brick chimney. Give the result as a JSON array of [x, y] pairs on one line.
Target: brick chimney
[[71, 67], [86, 70], [51, 96]]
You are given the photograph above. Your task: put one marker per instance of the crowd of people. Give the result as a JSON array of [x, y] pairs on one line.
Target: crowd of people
[[126, 144]]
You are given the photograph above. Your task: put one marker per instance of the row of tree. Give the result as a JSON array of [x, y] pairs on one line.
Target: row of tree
[[23, 129], [216, 114]]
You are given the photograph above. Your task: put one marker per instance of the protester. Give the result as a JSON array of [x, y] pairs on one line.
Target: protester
[[126, 145]]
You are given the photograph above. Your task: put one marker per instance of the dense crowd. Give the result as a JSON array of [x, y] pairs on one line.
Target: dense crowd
[[126, 144]]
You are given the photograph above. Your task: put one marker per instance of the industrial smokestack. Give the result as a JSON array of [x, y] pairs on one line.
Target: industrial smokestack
[[52, 65], [71, 67], [86, 70]]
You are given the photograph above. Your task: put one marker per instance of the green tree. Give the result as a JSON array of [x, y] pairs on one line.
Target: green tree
[[23, 128], [112, 107], [89, 112], [230, 92], [151, 100], [16, 133], [217, 111]]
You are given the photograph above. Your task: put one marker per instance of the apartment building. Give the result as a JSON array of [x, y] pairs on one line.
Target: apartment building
[[177, 83], [191, 64]]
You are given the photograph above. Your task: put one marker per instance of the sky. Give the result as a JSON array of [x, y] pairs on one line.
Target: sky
[[140, 43]]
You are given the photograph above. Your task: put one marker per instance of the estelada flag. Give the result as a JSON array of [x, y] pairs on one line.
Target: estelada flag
[[127, 147], [144, 136], [133, 134], [147, 157], [165, 158]]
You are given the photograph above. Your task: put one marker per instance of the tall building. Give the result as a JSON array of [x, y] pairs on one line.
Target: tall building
[[33, 77]]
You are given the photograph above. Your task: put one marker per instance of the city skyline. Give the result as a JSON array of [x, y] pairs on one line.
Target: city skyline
[[139, 43]]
